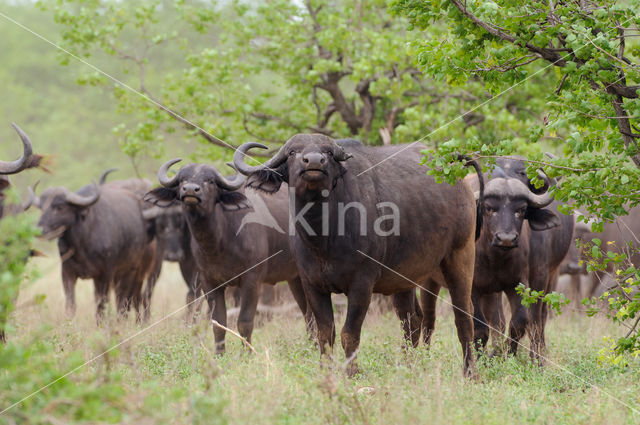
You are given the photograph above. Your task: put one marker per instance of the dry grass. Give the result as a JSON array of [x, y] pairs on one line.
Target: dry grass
[[171, 376]]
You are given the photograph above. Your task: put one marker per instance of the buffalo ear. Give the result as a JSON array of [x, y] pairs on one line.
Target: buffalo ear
[[161, 196], [232, 201], [269, 181], [542, 219]]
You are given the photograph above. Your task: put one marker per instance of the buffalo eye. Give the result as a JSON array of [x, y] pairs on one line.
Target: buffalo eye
[[489, 210], [292, 153], [330, 153], [520, 212]]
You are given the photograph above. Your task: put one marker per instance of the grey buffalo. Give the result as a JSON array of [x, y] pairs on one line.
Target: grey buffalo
[[102, 236]]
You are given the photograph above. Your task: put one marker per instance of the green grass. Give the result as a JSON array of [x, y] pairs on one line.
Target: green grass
[[169, 374]]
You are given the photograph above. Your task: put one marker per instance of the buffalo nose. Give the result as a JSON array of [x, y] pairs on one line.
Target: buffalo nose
[[190, 189], [504, 238], [313, 159]]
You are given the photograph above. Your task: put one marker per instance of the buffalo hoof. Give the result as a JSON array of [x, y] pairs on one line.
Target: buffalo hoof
[[220, 348], [352, 369]]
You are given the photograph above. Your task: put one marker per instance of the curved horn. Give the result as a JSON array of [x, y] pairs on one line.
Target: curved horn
[[82, 201], [162, 174], [546, 183], [22, 162], [539, 201], [103, 177], [33, 199], [235, 183], [513, 187], [242, 167]]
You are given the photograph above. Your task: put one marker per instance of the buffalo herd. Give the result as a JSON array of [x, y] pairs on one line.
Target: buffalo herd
[[327, 216]]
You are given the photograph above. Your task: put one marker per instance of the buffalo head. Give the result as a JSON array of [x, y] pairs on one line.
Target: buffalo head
[[169, 227], [61, 208], [310, 163], [507, 203], [199, 187]]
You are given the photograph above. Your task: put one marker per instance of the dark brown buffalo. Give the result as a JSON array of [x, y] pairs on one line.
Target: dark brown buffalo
[[522, 241], [234, 242], [101, 236], [361, 252]]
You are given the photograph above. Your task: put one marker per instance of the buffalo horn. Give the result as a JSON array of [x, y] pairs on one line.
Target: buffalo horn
[[162, 174], [21, 163], [103, 177], [83, 201], [514, 187], [242, 167]]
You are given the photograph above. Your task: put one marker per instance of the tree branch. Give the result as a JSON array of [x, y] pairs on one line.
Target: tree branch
[[549, 54]]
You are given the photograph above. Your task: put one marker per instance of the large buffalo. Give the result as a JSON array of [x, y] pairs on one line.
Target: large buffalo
[[370, 219], [235, 241], [101, 236], [522, 241]]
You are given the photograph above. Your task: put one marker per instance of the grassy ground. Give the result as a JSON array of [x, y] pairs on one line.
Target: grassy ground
[[168, 374]]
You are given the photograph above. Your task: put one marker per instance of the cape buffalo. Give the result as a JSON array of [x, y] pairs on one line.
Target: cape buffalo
[[370, 219], [522, 241], [173, 239], [101, 236], [235, 241]]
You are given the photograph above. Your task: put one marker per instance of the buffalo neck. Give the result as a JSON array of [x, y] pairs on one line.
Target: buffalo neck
[[210, 229]]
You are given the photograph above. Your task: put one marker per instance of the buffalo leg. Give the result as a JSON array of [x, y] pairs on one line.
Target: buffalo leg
[[295, 286], [480, 325], [250, 294], [122, 299], [218, 308], [539, 313], [192, 302], [429, 298], [69, 284], [101, 294], [358, 300], [320, 303], [519, 320], [458, 273], [404, 303], [491, 306]]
